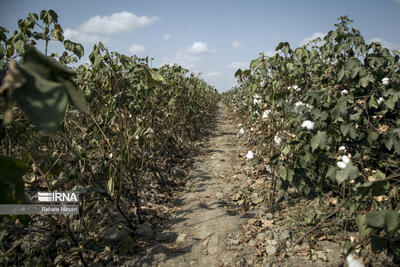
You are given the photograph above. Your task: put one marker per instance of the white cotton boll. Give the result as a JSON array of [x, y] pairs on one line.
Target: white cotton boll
[[345, 159], [266, 113], [289, 87], [257, 113], [343, 149], [269, 169], [341, 165], [250, 155], [241, 131], [296, 88], [263, 83], [277, 140], [251, 129], [380, 100], [344, 92], [353, 262], [307, 124], [240, 125], [385, 81]]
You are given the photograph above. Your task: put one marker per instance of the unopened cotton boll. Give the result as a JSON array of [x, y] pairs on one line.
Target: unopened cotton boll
[[345, 159], [309, 125], [385, 81], [341, 165], [250, 155], [380, 100], [277, 140]]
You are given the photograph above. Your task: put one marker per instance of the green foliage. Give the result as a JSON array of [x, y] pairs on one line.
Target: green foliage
[[349, 90]]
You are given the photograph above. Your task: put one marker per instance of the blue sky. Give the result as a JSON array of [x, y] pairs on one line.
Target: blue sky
[[212, 37]]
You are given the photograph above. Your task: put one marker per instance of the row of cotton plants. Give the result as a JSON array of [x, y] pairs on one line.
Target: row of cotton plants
[[325, 119]]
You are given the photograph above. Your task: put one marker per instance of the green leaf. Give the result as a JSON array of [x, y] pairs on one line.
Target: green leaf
[[364, 81], [391, 220], [75, 95], [126, 245], [377, 243], [75, 48], [57, 34], [319, 140], [11, 182], [286, 150], [362, 227], [375, 219], [20, 46], [154, 76]]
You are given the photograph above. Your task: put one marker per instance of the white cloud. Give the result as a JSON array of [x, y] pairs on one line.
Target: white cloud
[[238, 65], [236, 44], [116, 23], [80, 37], [200, 48], [181, 58], [167, 36], [312, 37], [136, 49], [386, 44], [212, 76]]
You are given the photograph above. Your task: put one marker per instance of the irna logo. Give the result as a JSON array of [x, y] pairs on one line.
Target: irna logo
[[67, 197]]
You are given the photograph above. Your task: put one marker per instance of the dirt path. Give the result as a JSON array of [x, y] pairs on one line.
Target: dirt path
[[197, 232]]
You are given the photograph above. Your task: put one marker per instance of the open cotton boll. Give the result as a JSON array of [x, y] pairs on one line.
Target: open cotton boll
[[250, 155], [341, 165], [380, 100], [266, 114], [344, 92], [296, 88], [346, 159], [251, 129], [309, 125], [353, 262], [342, 149], [269, 169], [297, 105], [277, 140], [385, 81], [241, 131]]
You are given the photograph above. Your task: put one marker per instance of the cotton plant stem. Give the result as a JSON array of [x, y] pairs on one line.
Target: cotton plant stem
[[319, 224]]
